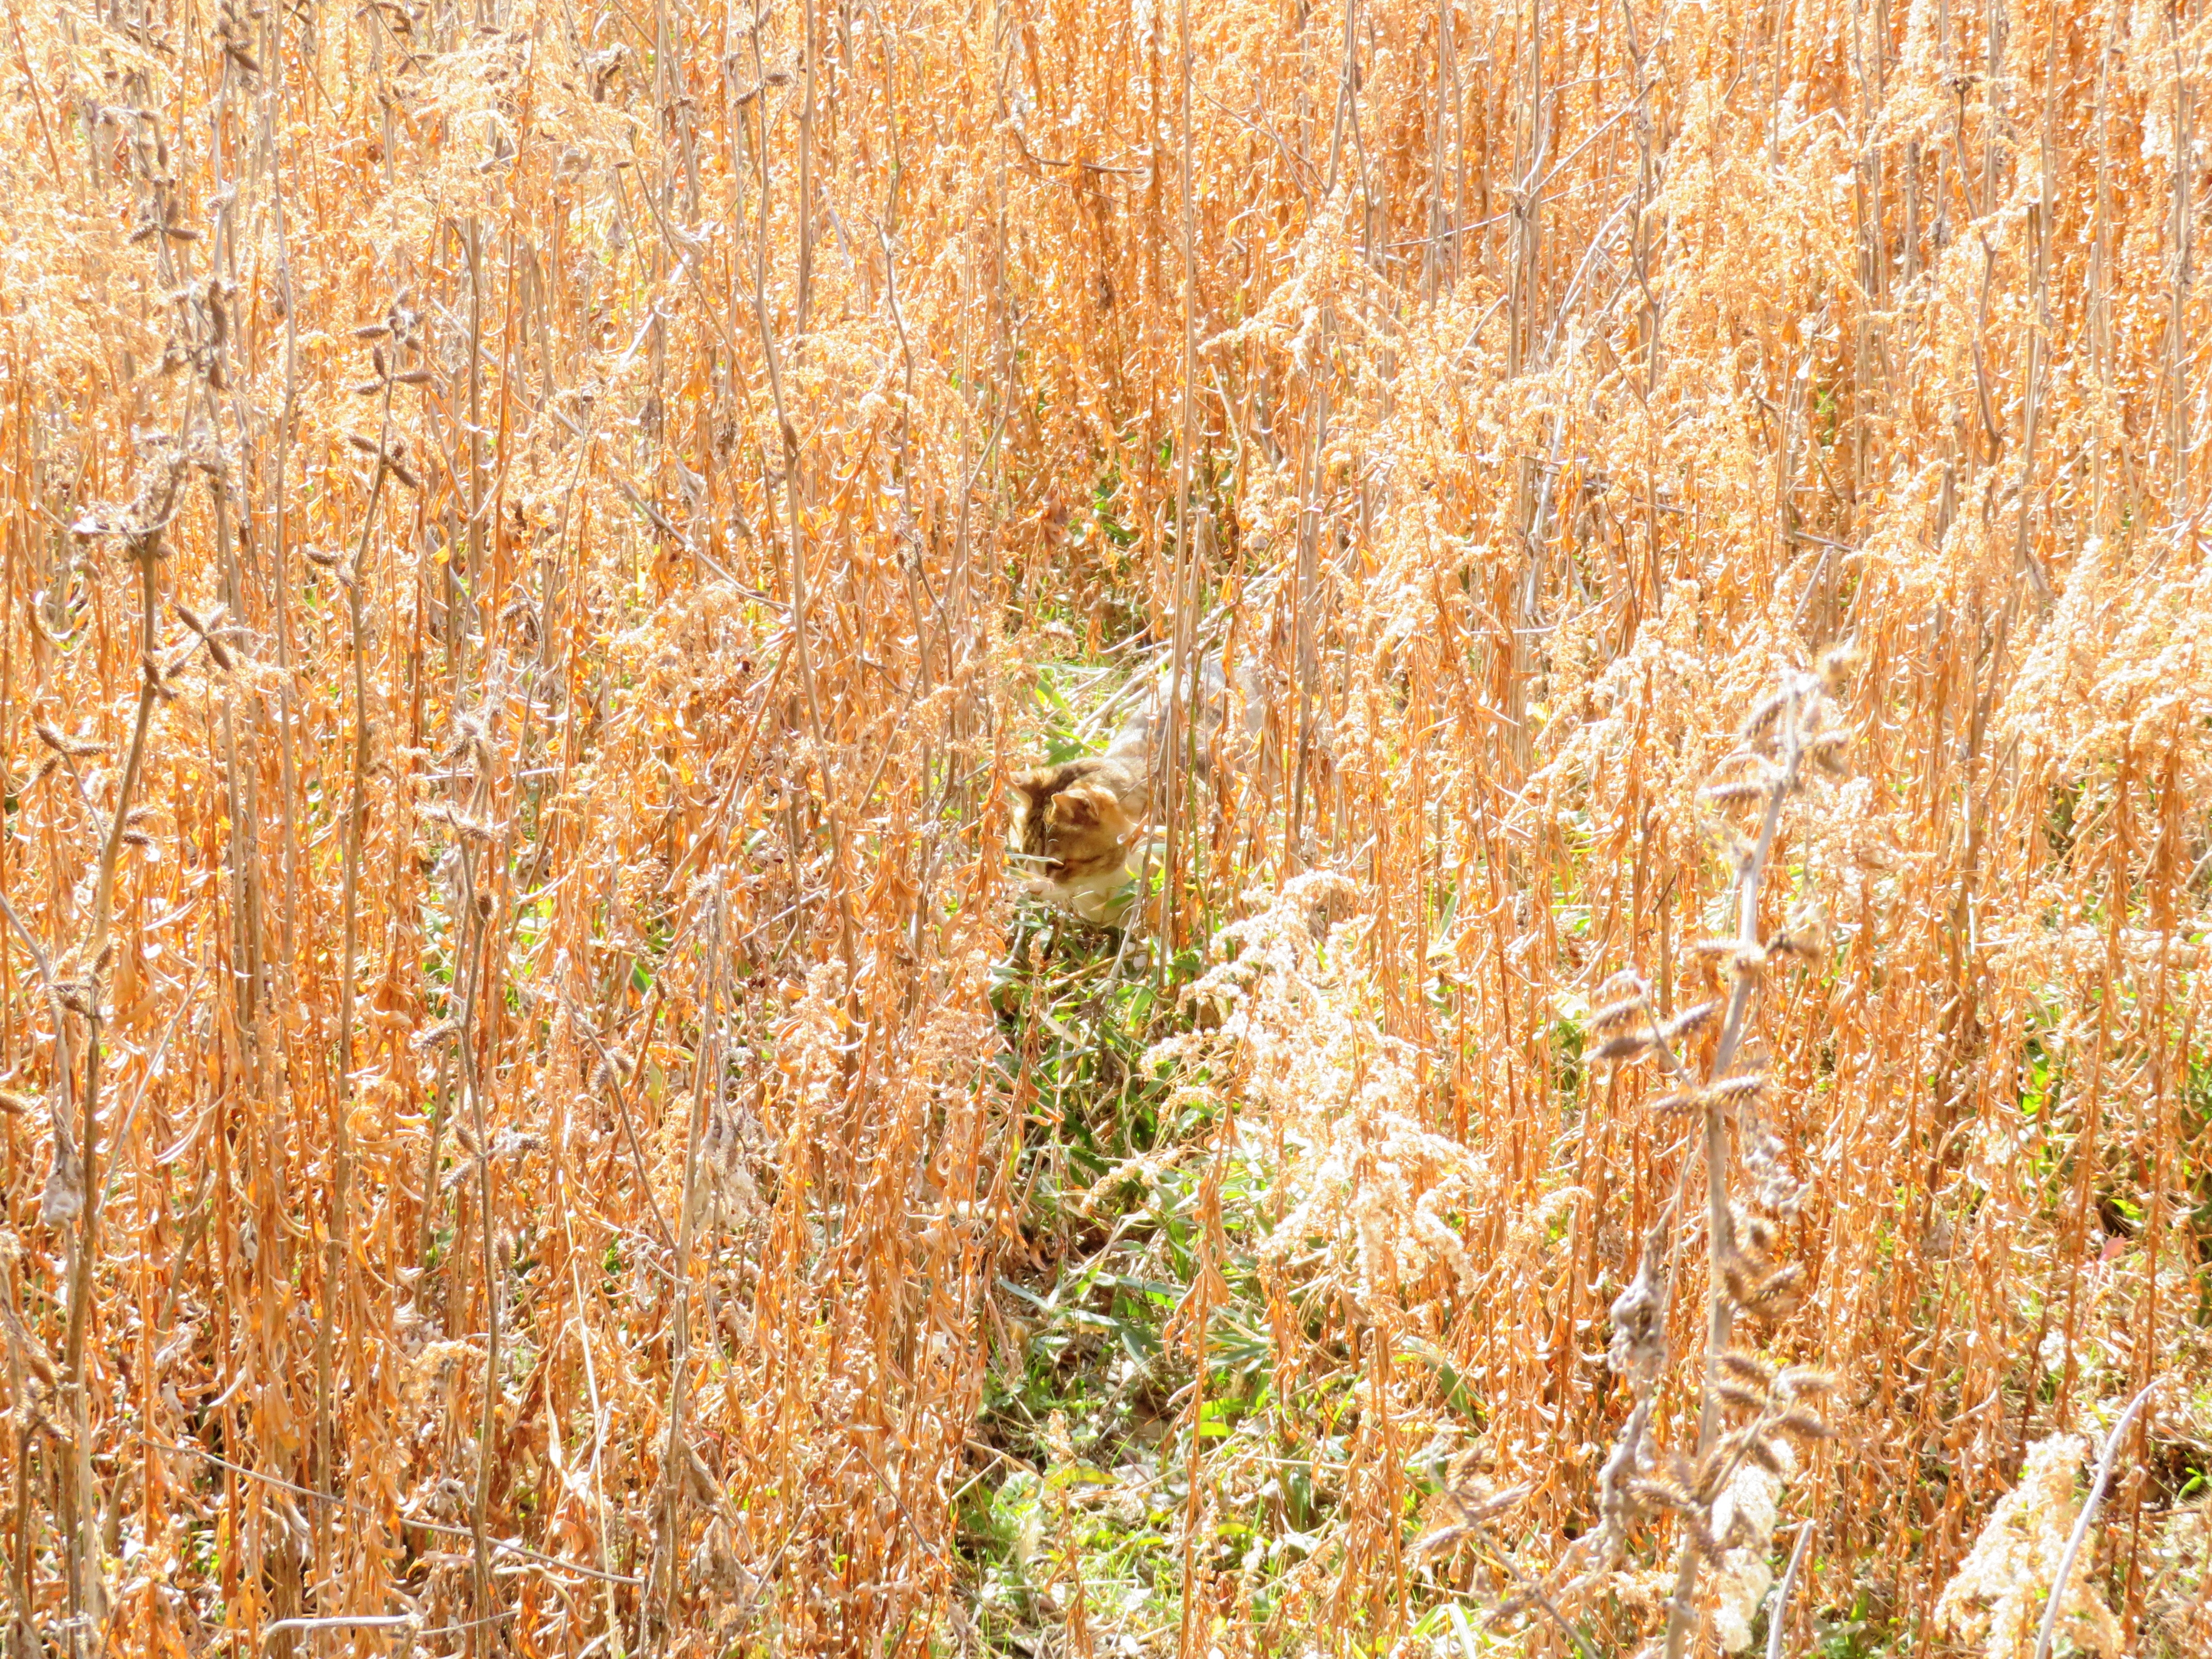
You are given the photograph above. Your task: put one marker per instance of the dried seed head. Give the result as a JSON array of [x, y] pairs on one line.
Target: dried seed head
[[1509, 1609], [1713, 1469], [1826, 752], [1774, 1189], [1807, 937], [1638, 1348], [1775, 1296], [1742, 1398], [1836, 666], [1662, 1493], [1733, 1091], [1760, 1452], [1741, 1531], [1624, 1045], [1740, 793], [1749, 1367], [1804, 1425], [1626, 984], [1805, 1380], [1473, 1504], [1691, 1021], [431, 1036], [1736, 1278], [63, 1201], [1760, 722], [61, 743], [1614, 1014], [15, 1104]]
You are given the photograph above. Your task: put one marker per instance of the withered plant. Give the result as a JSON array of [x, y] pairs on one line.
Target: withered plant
[[535, 1115]]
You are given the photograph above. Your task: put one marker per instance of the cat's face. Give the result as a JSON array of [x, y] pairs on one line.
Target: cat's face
[[1071, 820]]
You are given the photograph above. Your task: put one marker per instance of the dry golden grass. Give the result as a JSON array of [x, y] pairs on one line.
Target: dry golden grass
[[533, 536]]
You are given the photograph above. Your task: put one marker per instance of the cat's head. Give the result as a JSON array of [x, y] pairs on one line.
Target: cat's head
[[1070, 820]]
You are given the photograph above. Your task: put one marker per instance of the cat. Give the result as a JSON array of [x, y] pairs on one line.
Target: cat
[[1077, 823]]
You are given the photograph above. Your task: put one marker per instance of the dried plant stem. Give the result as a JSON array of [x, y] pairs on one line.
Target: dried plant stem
[[1202, 1316], [1681, 1613], [2180, 237], [280, 497], [795, 553], [621, 1109], [2037, 371], [25, 1629], [1531, 1588], [65, 1154], [334, 1259], [441, 1107], [474, 936], [1777, 1619], [1181, 725], [2082, 1521], [676, 1453], [88, 1597]]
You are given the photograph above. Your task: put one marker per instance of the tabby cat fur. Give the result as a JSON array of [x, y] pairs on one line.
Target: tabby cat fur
[[1077, 823]]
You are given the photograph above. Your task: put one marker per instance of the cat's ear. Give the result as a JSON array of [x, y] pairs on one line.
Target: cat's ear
[[1088, 806], [1032, 790], [1074, 809]]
